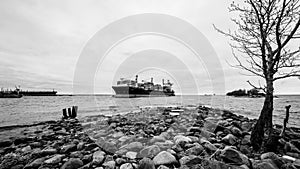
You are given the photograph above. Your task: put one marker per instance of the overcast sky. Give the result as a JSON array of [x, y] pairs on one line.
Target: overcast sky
[[41, 42]]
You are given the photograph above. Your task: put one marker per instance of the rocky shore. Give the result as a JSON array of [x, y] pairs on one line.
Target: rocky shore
[[160, 137]]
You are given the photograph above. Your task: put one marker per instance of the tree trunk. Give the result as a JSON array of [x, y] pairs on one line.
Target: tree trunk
[[265, 119]]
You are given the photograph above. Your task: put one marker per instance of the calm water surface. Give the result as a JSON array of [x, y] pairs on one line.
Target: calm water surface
[[28, 110]]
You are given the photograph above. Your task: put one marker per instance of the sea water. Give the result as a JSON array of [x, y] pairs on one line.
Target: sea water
[[30, 109]]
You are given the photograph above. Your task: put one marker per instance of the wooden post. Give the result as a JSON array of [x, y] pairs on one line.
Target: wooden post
[[286, 120], [74, 111], [65, 116], [70, 112]]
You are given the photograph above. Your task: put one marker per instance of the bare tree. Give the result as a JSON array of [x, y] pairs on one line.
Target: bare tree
[[264, 44]]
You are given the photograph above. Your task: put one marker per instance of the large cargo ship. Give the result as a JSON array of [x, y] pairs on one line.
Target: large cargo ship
[[17, 93], [10, 93], [38, 93], [132, 88]]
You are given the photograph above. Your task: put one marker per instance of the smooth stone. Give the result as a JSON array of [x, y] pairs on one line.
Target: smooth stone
[[87, 158], [157, 139], [229, 139], [210, 148], [68, 148], [120, 161], [164, 157], [117, 135], [126, 166], [131, 154], [35, 144], [268, 155], [48, 151], [146, 163], [109, 165], [35, 164], [26, 149], [274, 157], [265, 164], [231, 155], [246, 139], [196, 150], [134, 146], [190, 160], [150, 151], [163, 167], [98, 157], [72, 163], [245, 149], [246, 126], [213, 164], [181, 140], [165, 145], [55, 159], [236, 131], [124, 138]]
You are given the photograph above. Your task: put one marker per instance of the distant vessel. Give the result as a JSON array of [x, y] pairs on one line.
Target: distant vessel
[[10, 93], [38, 93], [132, 88], [17, 93]]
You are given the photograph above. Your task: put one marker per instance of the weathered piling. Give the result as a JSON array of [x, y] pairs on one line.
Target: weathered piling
[[65, 116], [70, 112], [74, 111]]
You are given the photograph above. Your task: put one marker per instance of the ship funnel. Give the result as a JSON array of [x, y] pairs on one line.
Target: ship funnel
[[151, 79], [136, 78], [163, 81]]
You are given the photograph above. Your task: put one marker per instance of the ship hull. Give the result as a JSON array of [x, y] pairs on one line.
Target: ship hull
[[10, 95], [127, 92], [38, 93]]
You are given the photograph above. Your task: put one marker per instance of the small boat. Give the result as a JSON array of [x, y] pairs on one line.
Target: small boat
[[10, 93]]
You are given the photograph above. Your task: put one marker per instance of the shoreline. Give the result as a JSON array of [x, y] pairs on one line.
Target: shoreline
[[153, 137]]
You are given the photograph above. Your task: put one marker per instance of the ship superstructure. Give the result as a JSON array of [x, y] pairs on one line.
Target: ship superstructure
[[133, 88]]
